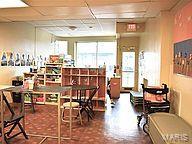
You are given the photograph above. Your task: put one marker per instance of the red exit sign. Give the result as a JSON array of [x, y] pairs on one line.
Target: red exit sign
[[131, 27]]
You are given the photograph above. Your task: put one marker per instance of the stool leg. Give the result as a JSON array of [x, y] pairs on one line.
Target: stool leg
[[80, 115], [62, 116], [32, 103]]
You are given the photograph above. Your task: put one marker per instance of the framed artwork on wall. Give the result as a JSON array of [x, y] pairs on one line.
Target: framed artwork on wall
[[10, 59], [17, 59], [183, 58], [28, 60], [23, 60], [3, 59]]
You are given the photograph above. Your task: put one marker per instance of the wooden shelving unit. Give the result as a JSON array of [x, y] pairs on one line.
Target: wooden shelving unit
[[53, 77], [38, 98], [87, 76], [55, 74]]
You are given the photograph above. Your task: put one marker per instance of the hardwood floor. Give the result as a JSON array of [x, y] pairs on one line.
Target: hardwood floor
[[116, 125]]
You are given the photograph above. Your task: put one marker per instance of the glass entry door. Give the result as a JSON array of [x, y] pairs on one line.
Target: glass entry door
[[128, 69]]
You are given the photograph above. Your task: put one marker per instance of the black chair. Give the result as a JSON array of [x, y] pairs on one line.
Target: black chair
[[10, 122], [160, 104], [87, 105]]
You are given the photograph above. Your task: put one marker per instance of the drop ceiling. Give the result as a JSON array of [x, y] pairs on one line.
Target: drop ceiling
[[89, 17]]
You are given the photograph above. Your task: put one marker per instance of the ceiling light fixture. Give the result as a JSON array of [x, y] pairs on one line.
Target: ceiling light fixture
[[12, 4], [72, 27]]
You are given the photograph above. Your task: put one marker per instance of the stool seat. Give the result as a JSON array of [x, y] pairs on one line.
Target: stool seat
[[73, 104]]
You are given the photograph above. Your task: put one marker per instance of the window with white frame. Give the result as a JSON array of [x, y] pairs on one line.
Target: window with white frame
[[86, 54], [96, 54], [60, 47]]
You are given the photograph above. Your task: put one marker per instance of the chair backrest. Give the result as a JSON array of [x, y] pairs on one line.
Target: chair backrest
[[93, 93], [8, 105], [145, 82], [155, 90]]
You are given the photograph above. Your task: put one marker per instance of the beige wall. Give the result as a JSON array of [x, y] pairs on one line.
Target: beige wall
[[157, 45], [17, 37], [43, 43], [166, 27], [182, 84], [150, 44], [21, 38]]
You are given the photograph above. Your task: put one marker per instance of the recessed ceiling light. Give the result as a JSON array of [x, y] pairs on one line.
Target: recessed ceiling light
[[12, 3]]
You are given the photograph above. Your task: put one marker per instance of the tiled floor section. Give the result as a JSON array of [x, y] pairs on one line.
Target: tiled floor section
[[116, 125]]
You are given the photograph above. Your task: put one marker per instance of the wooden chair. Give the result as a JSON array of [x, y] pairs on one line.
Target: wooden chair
[[11, 122]]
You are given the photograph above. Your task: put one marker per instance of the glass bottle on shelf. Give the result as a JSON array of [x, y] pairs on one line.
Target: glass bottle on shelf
[[104, 65]]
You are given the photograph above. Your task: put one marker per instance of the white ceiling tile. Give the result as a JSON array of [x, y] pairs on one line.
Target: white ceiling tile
[[108, 27], [59, 22], [91, 25], [63, 10], [89, 21], [122, 15], [73, 22], [76, 9], [64, 28], [26, 18], [95, 31], [60, 33], [28, 11], [4, 20], [55, 3], [53, 28], [41, 23], [38, 18], [55, 16], [122, 8], [113, 2], [159, 5], [133, 20], [107, 21]]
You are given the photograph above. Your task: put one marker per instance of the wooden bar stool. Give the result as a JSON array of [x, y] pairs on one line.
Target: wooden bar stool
[[74, 106]]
